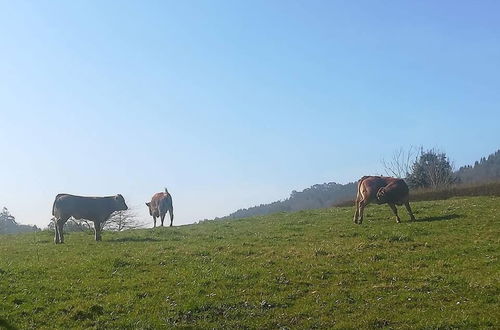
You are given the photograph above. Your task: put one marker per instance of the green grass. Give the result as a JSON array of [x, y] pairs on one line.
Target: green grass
[[310, 269]]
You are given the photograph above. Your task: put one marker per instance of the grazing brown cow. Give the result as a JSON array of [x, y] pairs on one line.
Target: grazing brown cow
[[95, 209], [161, 203], [382, 190]]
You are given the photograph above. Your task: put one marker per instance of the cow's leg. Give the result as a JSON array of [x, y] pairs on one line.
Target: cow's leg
[[154, 221], [395, 211], [171, 211], [362, 205], [97, 230], [408, 208], [162, 217], [356, 213], [59, 234], [56, 232]]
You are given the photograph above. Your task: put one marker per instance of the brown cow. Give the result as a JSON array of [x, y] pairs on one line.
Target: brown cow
[[382, 190], [95, 209], [161, 203]]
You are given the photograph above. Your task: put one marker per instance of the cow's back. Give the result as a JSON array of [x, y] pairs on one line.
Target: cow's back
[[397, 191], [370, 184], [161, 198], [82, 207], [155, 200]]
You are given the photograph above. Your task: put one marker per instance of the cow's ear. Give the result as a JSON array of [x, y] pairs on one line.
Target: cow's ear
[[148, 204]]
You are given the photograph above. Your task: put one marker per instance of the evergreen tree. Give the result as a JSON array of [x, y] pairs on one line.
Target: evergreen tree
[[432, 169]]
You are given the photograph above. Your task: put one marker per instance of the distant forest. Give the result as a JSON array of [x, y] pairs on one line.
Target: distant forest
[[486, 169], [327, 194]]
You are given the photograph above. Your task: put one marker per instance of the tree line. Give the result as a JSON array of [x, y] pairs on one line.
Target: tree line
[[486, 169], [119, 221], [9, 225]]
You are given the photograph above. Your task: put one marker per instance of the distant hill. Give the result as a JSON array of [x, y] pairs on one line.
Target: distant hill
[[328, 194], [314, 197]]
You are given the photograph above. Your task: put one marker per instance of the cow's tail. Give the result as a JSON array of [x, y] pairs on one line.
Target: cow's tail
[[169, 201]]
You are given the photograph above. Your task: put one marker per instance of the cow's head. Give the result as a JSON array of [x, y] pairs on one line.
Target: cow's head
[[148, 204], [152, 210], [120, 203], [381, 196]]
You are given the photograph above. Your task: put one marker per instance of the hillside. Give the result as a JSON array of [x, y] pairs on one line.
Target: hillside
[[314, 197], [487, 169], [309, 269]]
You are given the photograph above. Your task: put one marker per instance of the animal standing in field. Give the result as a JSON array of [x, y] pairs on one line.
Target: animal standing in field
[[95, 209], [161, 203], [382, 190]]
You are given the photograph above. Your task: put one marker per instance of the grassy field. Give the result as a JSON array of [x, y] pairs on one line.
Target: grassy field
[[310, 269]]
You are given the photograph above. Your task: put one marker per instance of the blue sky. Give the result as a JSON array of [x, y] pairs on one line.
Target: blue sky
[[235, 103]]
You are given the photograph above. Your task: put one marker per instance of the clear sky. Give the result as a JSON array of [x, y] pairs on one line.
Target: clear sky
[[235, 103]]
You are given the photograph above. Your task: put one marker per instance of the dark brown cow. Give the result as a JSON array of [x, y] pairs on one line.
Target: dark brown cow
[[161, 203], [382, 190], [95, 209]]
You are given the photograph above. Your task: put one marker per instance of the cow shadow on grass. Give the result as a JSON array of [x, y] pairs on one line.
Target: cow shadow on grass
[[440, 218], [43, 241], [135, 239]]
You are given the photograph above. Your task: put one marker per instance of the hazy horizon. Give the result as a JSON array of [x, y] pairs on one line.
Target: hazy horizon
[[234, 104]]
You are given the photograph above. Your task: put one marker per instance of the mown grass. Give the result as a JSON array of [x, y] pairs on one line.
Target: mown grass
[[310, 269]]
